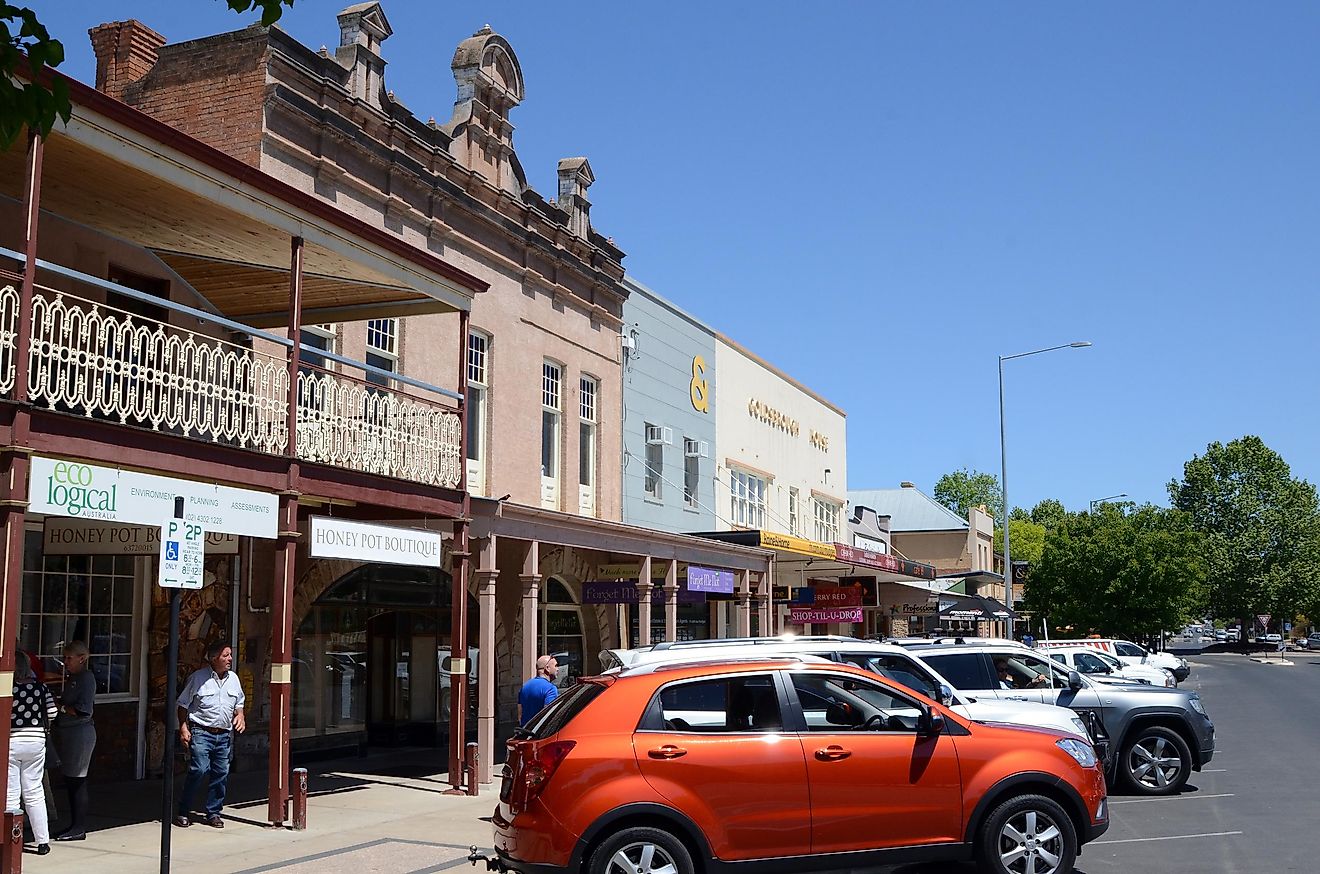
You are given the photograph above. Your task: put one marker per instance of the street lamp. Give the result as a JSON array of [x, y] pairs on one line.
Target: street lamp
[[1102, 500], [1003, 470]]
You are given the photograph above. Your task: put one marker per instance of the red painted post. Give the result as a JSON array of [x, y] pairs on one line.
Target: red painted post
[[470, 767], [11, 851], [299, 799]]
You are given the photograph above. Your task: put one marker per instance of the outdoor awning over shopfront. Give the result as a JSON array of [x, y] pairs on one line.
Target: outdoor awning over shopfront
[[972, 608]]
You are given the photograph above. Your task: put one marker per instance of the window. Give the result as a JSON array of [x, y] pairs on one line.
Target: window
[[320, 337], [733, 704], [827, 521], [655, 462], [834, 703], [895, 668], [691, 471], [748, 499], [587, 431], [965, 670], [551, 379], [477, 365], [382, 348], [793, 524]]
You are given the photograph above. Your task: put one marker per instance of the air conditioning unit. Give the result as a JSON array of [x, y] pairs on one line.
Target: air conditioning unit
[[658, 434], [628, 342], [696, 448]]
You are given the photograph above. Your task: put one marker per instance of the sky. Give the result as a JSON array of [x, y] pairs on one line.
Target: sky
[[882, 198]]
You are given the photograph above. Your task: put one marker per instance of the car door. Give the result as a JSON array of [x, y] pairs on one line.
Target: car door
[[875, 782], [714, 748]]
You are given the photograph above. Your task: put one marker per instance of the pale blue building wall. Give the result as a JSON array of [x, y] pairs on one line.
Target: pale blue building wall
[[658, 376]]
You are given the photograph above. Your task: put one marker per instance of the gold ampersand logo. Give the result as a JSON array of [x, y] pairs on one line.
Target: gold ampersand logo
[[700, 388]]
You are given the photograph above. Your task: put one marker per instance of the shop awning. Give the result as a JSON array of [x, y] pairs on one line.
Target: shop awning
[[973, 607], [818, 559]]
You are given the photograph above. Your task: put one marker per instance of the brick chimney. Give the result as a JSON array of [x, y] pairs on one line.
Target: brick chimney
[[125, 52]]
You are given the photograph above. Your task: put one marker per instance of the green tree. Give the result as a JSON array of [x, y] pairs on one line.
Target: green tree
[[963, 489], [37, 100], [1049, 513], [1261, 527], [1133, 574], [1028, 540]]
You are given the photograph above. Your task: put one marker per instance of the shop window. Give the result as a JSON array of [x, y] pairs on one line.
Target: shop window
[[561, 631], [691, 471], [478, 385], [827, 521], [587, 397], [747, 492], [655, 462], [552, 376], [91, 598], [794, 524]]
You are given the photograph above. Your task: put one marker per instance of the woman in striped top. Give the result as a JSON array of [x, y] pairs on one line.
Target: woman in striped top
[[33, 709]]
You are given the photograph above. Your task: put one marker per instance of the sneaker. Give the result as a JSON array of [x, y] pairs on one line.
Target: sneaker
[[182, 821], [214, 821], [43, 849]]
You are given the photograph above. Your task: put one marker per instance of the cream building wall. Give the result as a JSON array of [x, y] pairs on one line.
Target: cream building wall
[[770, 425]]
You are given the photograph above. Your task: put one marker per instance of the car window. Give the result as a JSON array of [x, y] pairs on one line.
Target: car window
[[834, 703], [1059, 657], [965, 670], [1024, 671], [560, 712], [1130, 649], [742, 703], [903, 671], [1090, 664]]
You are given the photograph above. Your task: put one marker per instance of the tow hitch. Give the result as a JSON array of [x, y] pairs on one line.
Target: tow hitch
[[493, 863]]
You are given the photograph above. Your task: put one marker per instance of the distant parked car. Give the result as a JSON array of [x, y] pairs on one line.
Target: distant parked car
[[1233, 635], [1310, 642], [1273, 638], [1221, 635]]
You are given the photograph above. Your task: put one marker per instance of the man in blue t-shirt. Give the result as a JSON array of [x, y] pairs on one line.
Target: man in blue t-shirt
[[539, 690]]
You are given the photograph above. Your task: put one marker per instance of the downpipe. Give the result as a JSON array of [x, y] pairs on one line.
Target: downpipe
[[493, 863]]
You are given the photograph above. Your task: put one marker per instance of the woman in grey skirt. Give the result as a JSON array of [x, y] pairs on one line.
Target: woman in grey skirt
[[76, 736]]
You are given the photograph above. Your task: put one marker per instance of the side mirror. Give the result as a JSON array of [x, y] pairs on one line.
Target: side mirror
[[1074, 681], [946, 695], [930, 723]]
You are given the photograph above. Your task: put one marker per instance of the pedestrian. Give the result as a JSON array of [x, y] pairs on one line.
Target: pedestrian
[[75, 737], [210, 711], [540, 690], [29, 723]]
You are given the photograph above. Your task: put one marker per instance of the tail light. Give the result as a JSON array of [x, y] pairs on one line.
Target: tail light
[[535, 770]]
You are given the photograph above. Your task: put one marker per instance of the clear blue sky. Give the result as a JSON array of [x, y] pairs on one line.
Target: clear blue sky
[[882, 198]]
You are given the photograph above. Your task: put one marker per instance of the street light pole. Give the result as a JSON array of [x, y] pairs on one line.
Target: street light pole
[[1003, 471], [1103, 500]]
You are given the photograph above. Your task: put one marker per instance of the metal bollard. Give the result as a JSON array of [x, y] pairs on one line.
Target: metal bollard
[[470, 767], [11, 851], [299, 799]]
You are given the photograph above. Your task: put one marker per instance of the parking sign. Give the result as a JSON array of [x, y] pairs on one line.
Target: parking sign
[[182, 550]]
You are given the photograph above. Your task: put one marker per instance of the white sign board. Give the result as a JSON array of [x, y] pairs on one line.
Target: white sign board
[[360, 541], [87, 491], [63, 535], [182, 554]]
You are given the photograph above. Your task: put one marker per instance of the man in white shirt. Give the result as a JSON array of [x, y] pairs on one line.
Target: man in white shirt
[[210, 711]]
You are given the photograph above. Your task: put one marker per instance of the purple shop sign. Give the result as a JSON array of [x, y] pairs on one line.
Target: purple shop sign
[[704, 579], [625, 592]]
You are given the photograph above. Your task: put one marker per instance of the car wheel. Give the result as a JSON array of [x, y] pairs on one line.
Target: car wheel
[[641, 851], [1156, 761], [1029, 834]]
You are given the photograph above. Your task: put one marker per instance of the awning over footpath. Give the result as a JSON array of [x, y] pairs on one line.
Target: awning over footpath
[[817, 559]]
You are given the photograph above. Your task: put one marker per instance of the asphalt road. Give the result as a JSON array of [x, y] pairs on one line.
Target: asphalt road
[[1254, 808]]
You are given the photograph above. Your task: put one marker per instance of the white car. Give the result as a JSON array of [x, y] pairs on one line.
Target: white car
[[1104, 668]]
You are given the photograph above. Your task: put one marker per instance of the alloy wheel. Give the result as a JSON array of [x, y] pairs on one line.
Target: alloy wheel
[[643, 857], [1031, 842], [1154, 762]]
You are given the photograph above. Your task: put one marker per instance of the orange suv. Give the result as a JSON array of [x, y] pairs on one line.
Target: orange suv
[[791, 764]]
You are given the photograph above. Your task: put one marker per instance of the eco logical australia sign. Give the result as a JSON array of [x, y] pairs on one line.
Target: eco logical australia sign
[[700, 388]]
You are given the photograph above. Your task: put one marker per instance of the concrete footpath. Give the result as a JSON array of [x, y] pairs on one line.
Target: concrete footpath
[[364, 815]]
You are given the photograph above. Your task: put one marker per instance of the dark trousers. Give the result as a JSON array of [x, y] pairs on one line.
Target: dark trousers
[[209, 756]]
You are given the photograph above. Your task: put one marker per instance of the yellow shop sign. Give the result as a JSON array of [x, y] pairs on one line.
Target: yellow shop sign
[[800, 545]]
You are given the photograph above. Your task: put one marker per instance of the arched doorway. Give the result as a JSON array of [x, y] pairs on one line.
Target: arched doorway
[[371, 661], [561, 630]]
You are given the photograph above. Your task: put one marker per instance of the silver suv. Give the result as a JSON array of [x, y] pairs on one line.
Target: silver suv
[[1160, 735]]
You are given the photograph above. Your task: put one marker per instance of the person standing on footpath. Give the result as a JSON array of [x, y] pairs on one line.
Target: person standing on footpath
[[210, 711], [540, 690], [29, 720], [75, 737]]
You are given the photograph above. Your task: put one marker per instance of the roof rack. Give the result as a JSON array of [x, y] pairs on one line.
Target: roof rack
[[751, 641], [733, 661]]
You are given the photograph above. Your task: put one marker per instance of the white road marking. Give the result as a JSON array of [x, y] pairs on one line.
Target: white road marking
[[1214, 770], [1167, 838], [1173, 798]]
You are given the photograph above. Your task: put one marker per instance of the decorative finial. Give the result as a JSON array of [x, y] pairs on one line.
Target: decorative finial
[[485, 29]]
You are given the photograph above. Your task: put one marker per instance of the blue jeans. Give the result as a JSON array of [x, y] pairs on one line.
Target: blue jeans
[[209, 755]]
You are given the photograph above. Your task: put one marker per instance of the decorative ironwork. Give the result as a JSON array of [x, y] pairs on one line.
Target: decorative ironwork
[[349, 423], [104, 363], [8, 337]]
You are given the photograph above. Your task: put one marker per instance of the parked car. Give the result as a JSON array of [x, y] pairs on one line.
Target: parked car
[[1311, 641], [1221, 635], [1233, 635], [1273, 637], [1161, 735], [1129, 653], [673, 767], [886, 660], [1104, 668]]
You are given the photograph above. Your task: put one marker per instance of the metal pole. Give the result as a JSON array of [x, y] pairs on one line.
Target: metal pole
[[171, 732], [1003, 491]]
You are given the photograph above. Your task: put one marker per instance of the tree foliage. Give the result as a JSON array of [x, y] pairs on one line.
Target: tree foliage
[[963, 489], [1131, 573], [1027, 540], [1261, 527], [37, 100], [1049, 514]]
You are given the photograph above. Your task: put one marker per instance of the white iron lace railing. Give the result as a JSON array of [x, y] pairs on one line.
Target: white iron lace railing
[[349, 423], [104, 363], [8, 337]]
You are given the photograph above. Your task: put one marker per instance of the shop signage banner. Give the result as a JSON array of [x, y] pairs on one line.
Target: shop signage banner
[[801, 615], [629, 570], [625, 592], [88, 491], [800, 545], [838, 596], [360, 541], [705, 579], [64, 535], [882, 561]]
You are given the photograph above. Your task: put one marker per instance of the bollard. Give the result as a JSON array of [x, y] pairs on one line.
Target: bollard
[[470, 767], [299, 799], [11, 852]]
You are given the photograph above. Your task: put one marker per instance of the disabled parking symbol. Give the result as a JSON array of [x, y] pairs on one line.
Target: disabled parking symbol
[[171, 550]]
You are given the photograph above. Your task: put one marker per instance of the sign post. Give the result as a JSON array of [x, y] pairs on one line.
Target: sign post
[[182, 550]]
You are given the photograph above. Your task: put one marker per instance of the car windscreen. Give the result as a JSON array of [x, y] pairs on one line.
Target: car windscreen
[[560, 712]]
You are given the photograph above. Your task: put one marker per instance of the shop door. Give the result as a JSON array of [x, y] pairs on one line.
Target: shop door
[[403, 682]]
